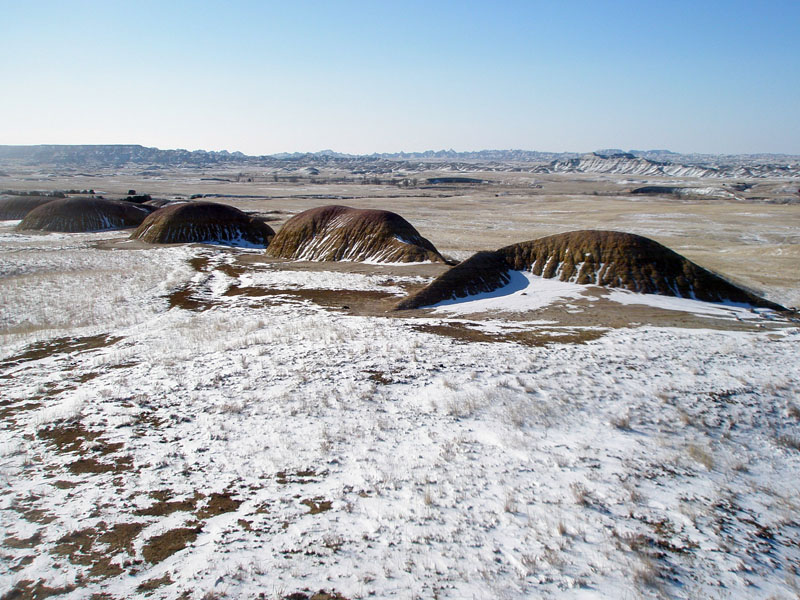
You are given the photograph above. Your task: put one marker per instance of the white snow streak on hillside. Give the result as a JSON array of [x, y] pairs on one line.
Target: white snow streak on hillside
[[652, 461]]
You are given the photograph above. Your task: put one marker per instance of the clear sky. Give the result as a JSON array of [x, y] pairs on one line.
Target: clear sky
[[379, 76]]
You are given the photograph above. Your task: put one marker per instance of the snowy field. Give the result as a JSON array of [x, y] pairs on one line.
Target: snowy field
[[245, 446]]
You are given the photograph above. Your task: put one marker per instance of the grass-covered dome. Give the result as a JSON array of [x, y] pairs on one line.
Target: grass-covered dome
[[14, 207], [606, 258], [83, 214], [203, 222], [341, 233]]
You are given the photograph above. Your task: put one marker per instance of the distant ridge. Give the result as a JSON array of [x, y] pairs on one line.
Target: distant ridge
[[633, 162], [114, 155], [628, 163], [137, 154]]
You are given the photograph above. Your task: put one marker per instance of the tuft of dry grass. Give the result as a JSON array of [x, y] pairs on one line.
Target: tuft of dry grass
[[511, 505], [581, 495], [621, 422], [701, 455]]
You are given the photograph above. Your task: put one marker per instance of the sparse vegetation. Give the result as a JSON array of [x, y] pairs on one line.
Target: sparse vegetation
[[701, 455], [210, 421]]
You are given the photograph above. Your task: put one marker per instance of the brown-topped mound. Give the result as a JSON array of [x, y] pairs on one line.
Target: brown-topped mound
[[209, 222], [605, 258], [343, 233], [16, 207], [84, 214]]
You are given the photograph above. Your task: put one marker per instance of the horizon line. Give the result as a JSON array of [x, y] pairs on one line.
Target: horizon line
[[330, 151]]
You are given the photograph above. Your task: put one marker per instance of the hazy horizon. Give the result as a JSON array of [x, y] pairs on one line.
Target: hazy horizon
[[360, 78], [422, 151]]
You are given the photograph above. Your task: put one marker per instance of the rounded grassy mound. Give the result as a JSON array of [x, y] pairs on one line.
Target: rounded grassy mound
[[341, 233], [605, 258], [203, 222], [16, 207], [82, 214]]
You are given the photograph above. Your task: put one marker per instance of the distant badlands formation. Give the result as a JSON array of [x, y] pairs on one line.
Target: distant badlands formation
[[339, 233], [634, 162]]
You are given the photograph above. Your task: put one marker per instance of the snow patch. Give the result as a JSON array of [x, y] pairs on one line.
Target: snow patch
[[525, 291]]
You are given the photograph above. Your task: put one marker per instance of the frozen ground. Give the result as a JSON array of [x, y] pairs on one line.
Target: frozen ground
[[248, 446], [527, 292]]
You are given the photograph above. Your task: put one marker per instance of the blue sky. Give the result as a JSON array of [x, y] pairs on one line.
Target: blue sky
[[264, 77]]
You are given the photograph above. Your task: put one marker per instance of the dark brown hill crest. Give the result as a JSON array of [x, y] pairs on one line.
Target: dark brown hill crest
[[83, 214], [16, 207], [351, 234], [605, 258], [197, 222]]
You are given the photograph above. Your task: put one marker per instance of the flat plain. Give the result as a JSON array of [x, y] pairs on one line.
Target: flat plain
[[201, 421]]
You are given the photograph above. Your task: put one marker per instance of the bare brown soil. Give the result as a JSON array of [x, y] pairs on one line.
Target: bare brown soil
[[187, 299], [10, 408], [34, 590], [30, 542], [538, 336], [39, 350], [320, 595], [153, 584], [164, 506], [302, 477], [165, 545], [218, 504], [74, 438], [120, 537], [68, 438], [317, 505], [97, 547], [354, 301], [93, 466]]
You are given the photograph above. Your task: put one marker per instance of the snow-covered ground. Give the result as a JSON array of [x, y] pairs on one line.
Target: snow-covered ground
[[527, 292], [240, 450]]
